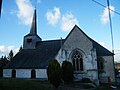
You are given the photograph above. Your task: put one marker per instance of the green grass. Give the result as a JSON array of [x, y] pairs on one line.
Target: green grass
[[24, 84], [27, 84]]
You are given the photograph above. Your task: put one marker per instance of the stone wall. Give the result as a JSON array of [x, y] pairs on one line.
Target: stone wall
[[109, 67], [32, 44], [25, 73], [7, 73], [41, 73], [77, 40]]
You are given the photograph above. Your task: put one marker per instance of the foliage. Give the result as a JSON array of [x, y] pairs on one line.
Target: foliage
[[54, 73], [86, 80], [10, 57], [3, 61], [67, 71], [20, 49], [116, 72]]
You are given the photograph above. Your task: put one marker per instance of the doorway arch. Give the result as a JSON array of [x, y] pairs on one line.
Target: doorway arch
[[13, 73], [33, 73]]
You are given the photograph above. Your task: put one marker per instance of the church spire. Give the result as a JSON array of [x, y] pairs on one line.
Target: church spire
[[31, 39], [33, 29]]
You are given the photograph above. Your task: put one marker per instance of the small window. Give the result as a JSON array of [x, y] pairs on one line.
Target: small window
[[29, 40], [77, 61]]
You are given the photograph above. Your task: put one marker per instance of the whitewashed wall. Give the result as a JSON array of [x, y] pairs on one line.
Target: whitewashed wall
[[41, 73], [109, 67], [7, 73], [23, 73]]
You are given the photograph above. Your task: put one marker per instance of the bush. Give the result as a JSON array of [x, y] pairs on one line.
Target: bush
[[54, 73], [86, 80], [67, 71]]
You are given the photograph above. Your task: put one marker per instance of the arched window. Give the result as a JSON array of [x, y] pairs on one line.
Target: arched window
[[77, 61], [13, 73], [33, 74]]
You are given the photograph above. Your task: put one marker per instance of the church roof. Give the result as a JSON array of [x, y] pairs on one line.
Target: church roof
[[100, 50], [45, 51], [36, 58]]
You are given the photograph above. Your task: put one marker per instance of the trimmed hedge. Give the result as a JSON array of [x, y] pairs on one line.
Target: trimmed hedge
[[67, 71], [54, 73]]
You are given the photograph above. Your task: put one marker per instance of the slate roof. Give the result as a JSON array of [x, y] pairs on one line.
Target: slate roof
[[100, 50], [36, 58], [45, 51]]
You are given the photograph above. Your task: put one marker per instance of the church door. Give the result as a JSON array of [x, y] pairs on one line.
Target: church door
[[33, 74], [1, 72], [13, 73]]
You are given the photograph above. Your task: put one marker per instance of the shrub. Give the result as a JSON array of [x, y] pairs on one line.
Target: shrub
[[54, 73], [67, 71], [86, 80]]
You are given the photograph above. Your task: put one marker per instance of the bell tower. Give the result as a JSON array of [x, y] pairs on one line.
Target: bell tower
[[32, 38]]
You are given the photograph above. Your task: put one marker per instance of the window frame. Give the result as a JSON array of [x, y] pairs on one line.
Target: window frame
[[77, 60]]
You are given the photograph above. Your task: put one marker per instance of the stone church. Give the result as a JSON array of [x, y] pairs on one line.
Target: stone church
[[89, 59]]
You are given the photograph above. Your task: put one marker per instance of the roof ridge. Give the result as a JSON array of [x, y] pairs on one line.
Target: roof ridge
[[93, 41], [54, 40]]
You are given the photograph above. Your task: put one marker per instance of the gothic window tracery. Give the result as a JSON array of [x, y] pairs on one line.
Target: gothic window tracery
[[77, 61]]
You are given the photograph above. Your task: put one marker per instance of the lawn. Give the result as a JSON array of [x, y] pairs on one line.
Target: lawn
[[24, 84], [29, 84]]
